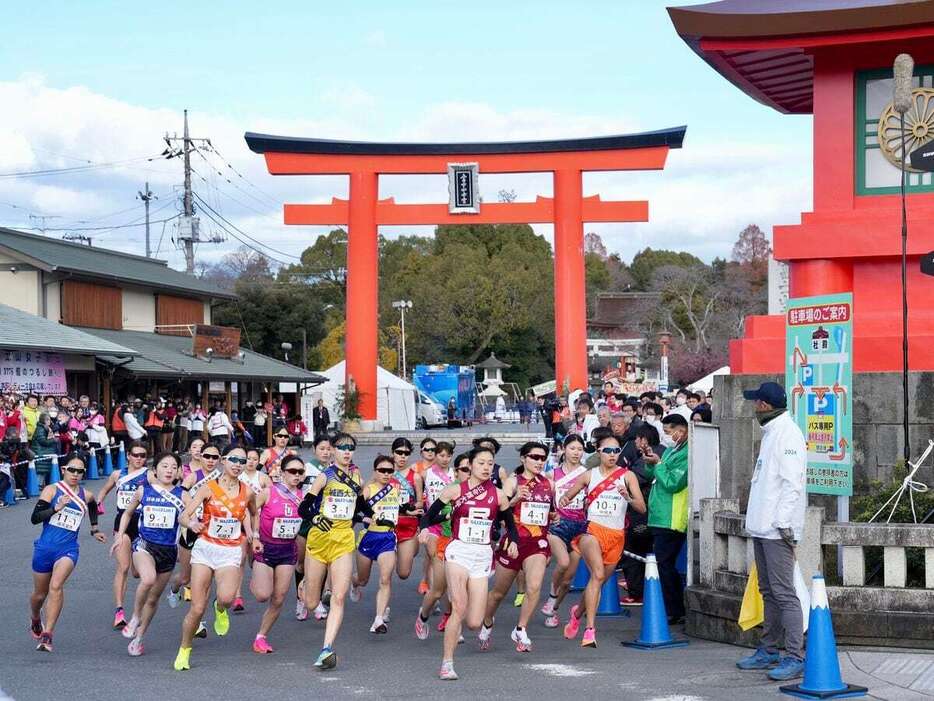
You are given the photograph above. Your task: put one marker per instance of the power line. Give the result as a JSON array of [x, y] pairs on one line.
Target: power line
[[243, 241], [260, 243], [241, 176], [96, 228], [75, 169]]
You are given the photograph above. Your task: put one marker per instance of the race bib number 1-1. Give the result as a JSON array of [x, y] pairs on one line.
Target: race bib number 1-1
[[475, 530]]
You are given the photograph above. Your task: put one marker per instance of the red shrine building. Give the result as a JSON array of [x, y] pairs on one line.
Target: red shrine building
[[833, 59]]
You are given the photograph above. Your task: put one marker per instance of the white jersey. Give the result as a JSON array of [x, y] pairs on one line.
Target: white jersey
[[609, 508], [435, 483], [252, 481]]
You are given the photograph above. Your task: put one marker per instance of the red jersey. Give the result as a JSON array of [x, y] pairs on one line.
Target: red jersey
[[474, 512], [532, 515]]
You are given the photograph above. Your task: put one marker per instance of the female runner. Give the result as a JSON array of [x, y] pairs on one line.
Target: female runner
[[126, 485], [160, 502], [277, 507], [216, 554], [330, 544], [532, 510], [60, 509], [378, 542], [610, 490], [429, 453], [571, 523], [319, 462], [476, 504], [272, 458], [257, 482], [410, 510]]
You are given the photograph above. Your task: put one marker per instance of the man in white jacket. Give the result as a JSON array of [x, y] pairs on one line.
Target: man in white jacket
[[775, 520]]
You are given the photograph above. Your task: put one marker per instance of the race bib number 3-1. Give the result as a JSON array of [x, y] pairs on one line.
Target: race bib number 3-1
[[285, 528], [224, 528], [124, 497], [339, 506], [159, 516], [534, 513], [475, 530], [67, 518]]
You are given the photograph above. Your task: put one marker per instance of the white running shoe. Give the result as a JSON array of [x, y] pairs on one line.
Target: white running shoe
[[447, 672], [379, 626], [129, 630], [321, 612], [553, 621], [421, 627], [301, 612], [356, 593], [135, 648], [522, 641], [549, 608], [386, 614], [483, 637], [174, 598]]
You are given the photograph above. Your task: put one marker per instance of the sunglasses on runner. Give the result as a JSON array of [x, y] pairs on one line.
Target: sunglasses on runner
[[282, 435], [402, 452], [538, 457], [345, 446], [611, 451], [237, 461], [385, 470], [429, 450], [138, 455], [293, 471], [210, 456], [75, 470], [463, 469]]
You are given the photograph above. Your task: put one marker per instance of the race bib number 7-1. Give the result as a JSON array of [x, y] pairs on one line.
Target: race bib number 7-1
[[224, 528]]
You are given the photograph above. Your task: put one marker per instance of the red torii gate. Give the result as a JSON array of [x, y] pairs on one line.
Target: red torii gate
[[364, 162]]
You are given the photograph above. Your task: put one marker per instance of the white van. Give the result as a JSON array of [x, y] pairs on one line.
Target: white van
[[430, 413]]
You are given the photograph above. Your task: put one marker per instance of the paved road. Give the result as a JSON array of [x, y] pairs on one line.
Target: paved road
[[90, 660]]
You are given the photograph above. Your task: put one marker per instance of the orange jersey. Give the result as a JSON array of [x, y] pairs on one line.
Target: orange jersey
[[223, 516], [421, 466]]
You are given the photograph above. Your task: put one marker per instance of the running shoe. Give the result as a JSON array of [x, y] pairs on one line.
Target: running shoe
[[301, 612], [326, 597], [386, 614], [379, 626], [443, 622], [221, 620], [45, 642], [202, 631], [483, 637], [35, 628], [423, 587], [421, 627], [129, 630], [552, 621], [573, 624], [520, 597], [174, 598], [327, 659], [261, 646], [590, 638], [356, 593], [321, 612], [119, 619], [460, 639], [630, 601], [238, 604], [186, 593], [135, 648], [183, 659], [549, 608], [447, 672], [789, 667], [522, 641]]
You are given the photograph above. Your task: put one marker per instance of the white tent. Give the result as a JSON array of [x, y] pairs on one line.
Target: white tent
[[395, 398], [705, 384]]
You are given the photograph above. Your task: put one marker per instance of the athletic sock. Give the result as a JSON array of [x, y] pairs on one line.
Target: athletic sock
[[520, 628]]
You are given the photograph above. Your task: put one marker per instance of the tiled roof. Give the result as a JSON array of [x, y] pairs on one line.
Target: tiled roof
[[24, 331]]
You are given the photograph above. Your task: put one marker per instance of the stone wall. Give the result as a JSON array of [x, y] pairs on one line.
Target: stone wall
[[877, 427]]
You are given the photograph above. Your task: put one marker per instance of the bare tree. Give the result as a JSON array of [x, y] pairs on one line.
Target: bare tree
[[690, 296]]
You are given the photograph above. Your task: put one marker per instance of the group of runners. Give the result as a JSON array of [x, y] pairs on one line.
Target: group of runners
[[324, 526]]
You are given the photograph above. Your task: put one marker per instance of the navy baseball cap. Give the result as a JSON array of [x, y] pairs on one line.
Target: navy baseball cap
[[770, 393]]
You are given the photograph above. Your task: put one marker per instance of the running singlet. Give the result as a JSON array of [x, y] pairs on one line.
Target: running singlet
[[564, 480], [223, 515], [532, 515], [609, 508], [436, 480], [158, 522], [274, 458], [338, 500], [279, 520], [473, 513], [127, 486], [313, 468], [251, 481], [386, 509], [62, 528]]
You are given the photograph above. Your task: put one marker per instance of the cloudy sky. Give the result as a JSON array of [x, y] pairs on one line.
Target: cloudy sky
[[94, 87]]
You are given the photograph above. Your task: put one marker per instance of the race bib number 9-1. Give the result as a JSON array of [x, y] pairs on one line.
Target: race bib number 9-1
[[159, 516]]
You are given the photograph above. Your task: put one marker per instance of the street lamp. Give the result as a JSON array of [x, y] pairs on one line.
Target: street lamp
[[664, 338], [286, 347], [402, 305]]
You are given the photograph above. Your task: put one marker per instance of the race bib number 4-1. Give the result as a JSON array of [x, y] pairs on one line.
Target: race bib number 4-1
[[339, 507], [124, 497], [159, 516], [224, 528], [608, 505], [285, 528], [534, 513], [67, 518], [475, 530]]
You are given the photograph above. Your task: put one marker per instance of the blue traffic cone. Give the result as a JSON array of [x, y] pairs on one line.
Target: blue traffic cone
[[55, 474], [609, 599], [581, 577], [9, 497], [108, 462], [654, 634], [121, 459], [92, 465], [821, 666], [32, 481]]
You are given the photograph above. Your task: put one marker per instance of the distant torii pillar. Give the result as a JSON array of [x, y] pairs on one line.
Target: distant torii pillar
[[364, 212]]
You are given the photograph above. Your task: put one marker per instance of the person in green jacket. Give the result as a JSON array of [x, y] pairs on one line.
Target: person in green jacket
[[668, 511]]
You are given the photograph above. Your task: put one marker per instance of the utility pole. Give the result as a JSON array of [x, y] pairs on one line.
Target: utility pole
[[78, 237], [402, 305], [189, 224], [145, 197]]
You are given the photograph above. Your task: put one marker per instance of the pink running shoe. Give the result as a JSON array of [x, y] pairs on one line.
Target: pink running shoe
[[552, 621], [135, 648], [443, 622], [238, 604], [421, 628], [35, 628], [549, 608], [261, 646], [119, 619], [573, 624], [590, 638]]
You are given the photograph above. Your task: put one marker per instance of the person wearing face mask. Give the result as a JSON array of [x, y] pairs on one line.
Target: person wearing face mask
[[775, 520], [681, 404]]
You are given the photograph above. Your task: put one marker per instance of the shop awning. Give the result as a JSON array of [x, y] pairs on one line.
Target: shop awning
[[28, 332], [170, 357]]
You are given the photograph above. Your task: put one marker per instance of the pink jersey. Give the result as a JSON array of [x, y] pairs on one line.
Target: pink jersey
[[279, 520], [474, 512], [532, 515], [564, 480]]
